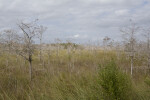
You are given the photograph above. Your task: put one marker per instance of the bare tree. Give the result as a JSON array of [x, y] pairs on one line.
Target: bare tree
[[30, 32], [58, 41], [70, 51], [9, 37], [106, 41], [48, 52], [130, 41], [147, 36], [42, 29], [118, 49]]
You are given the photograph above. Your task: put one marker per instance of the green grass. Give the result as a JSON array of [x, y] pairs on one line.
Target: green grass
[[74, 76]]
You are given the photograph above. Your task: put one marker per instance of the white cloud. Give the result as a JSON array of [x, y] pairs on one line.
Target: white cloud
[[122, 12], [76, 36], [88, 18]]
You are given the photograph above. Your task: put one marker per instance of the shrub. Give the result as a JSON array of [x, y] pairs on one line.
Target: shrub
[[147, 81], [115, 84]]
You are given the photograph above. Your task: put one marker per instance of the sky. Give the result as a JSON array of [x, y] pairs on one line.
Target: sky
[[77, 20]]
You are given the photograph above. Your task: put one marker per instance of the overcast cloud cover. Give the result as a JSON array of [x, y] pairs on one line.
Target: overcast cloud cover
[[80, 20]]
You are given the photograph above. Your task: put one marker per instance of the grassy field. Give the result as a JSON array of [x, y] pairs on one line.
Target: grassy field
[[78, 75]]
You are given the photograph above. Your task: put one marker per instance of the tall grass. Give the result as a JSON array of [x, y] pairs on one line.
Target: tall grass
[[83, 80]]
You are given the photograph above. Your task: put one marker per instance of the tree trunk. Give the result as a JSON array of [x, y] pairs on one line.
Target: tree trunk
[[48, 59], [40, 56], [30, 67], [30, 70], [40, 50], [148, 57], [148, 65], [131, 65]]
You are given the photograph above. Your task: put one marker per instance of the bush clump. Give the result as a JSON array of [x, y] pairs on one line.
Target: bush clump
[[115, 84]]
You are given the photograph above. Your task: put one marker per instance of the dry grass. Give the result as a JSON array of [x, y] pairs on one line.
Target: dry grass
[[65, 77]]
